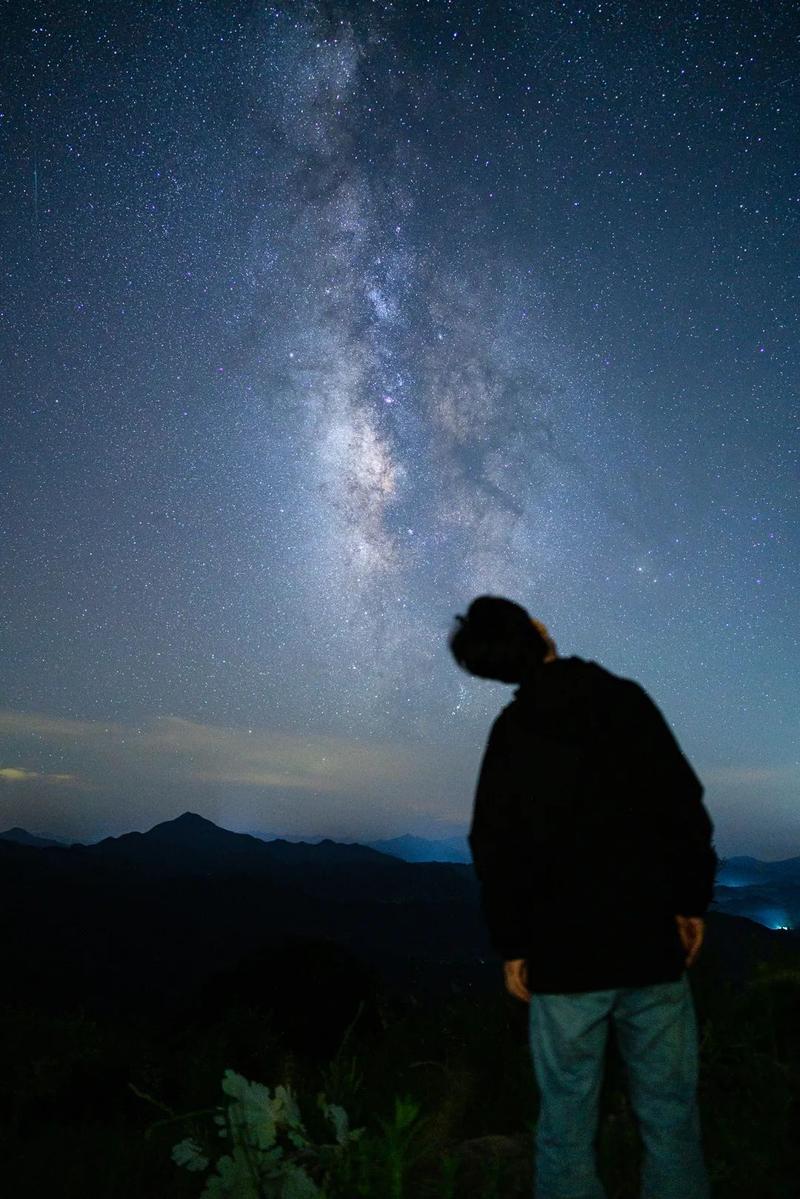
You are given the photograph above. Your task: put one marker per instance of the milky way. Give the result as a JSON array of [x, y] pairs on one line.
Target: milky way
[[321, 320]]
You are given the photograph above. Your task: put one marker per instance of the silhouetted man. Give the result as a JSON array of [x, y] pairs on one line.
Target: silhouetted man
[[596, 864]]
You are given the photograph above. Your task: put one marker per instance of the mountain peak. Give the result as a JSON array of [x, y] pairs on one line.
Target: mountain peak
[[189, 827], [190, 820], [188, 842]]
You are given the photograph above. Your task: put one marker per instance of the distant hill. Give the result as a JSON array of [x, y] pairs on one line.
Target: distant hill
[[422, 849], [139, 922], [766, 892], [744, 871], [22, 837], [193, 831], [292, 838], [408, 848], [190, 844]]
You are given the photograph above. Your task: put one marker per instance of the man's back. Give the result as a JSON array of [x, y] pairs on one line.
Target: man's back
[[589, 834], [590, 840]]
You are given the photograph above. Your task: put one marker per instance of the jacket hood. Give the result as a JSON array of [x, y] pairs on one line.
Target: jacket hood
[[562, 683]]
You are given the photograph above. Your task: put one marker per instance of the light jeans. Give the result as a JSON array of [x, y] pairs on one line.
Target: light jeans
[[656, 1033]]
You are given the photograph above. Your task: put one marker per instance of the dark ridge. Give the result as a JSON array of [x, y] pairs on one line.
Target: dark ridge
[[22, 837]]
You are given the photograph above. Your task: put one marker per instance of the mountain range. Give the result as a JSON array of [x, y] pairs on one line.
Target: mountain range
[[408, 848], [22, 837], [734, 872], [767, 892], [145, 921]]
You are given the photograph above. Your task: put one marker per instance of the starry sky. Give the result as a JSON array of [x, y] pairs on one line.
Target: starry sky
[[318, 321]]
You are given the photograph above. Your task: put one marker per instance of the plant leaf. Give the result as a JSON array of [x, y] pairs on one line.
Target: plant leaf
[[188, 1153]]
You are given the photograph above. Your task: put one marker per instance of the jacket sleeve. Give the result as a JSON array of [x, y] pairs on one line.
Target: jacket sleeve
[[494, 839], [682, 826]]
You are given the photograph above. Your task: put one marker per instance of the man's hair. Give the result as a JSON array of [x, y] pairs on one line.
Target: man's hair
[[496, 640]]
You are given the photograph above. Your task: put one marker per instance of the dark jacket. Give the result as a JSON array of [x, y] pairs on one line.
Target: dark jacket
[[589, 833]]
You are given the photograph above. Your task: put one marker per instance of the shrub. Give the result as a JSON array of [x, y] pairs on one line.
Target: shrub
[[270, 1150]]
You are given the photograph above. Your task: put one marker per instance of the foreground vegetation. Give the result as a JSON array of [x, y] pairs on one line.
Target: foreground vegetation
[[432, 1099]]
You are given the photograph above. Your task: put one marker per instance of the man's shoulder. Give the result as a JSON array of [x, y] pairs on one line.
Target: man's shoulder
[[605, 679], [573, 674], [569, 685], [602, 672]]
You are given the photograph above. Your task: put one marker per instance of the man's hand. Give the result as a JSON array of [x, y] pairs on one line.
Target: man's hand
[[691, 929], [516, 979]]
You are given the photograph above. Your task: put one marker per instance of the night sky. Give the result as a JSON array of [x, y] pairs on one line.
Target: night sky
[[318, 321]]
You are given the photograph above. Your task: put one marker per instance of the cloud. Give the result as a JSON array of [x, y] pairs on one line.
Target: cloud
[[20, 774], [269, 758], [132, 775], [190, 751], [16, 774]]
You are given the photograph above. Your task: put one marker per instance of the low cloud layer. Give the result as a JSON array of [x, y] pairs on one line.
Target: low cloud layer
[[126, 776], [20, 774]]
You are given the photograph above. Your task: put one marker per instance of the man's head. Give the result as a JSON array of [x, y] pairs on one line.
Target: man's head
[[497, 639]]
